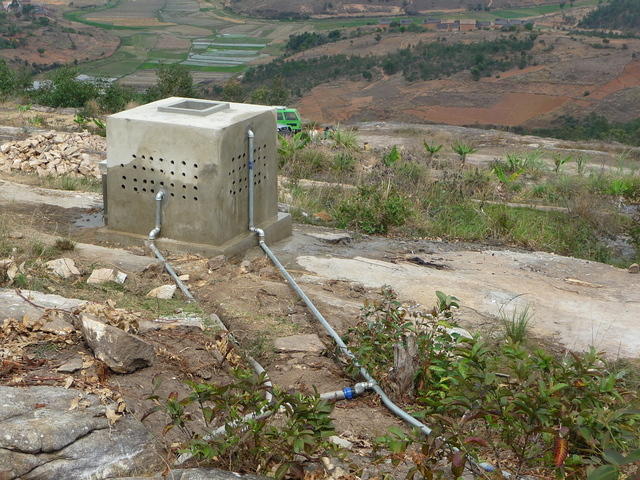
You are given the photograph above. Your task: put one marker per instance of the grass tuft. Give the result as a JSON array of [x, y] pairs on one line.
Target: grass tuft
[[516, 325]]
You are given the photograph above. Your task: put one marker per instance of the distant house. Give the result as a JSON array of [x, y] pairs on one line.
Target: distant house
[[384, 21], [502, 22], [405, 21], [517, 22], [449, 25], [431, 23], [484, 24], [467, 25]]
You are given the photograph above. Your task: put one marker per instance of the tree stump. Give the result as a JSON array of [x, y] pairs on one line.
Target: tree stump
[[405, 365]]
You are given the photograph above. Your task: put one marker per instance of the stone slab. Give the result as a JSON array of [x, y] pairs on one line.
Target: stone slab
[[13, 306]]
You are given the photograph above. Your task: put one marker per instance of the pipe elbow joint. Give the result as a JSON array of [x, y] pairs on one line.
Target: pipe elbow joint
[[160, 195], [153, 234], [250, 133], [259, 232]]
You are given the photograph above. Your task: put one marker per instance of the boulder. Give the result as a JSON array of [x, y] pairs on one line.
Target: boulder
[[63, 267], [634, 268], [43, 436], [121, 351], [104, 275], [164, 292]]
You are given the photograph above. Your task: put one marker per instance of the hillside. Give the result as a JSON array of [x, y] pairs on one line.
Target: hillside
[[617, 15], [35, 38], [322, 8], [560, 75]]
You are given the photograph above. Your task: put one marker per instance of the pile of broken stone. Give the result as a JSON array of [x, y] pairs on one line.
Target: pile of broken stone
[[53, 154]]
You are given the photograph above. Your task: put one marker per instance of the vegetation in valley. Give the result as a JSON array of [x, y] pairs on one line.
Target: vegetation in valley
[[614, 15], [424, 61]]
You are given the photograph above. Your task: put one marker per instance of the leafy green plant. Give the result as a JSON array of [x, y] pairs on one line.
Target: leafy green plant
[[37, 121], [516, 162], [463, 150], [432, 149], [527, 409], [507, 179], [390, 158], [620, 187], [24, 108], [257, 435], [101, 127], [80, 119], [446, 302]]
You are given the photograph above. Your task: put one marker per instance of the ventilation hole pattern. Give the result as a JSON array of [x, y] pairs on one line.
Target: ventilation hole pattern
[[238, 173], [137, 183]]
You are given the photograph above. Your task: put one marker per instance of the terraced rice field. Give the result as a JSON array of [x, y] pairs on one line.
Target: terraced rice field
[[225, 51]]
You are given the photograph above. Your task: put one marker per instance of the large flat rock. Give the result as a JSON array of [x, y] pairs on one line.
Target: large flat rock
[[13, 305], [576, 302], [43, 436]]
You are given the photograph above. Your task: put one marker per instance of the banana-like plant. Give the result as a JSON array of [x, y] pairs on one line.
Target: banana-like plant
[[463, 149]]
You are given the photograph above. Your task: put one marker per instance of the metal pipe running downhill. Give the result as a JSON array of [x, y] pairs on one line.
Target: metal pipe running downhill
[[153, 234], [370, 383], [316, 313]]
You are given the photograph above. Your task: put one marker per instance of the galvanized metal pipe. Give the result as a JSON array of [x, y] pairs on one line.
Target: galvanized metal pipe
[[250, 137], [396, 410], [153, 234]]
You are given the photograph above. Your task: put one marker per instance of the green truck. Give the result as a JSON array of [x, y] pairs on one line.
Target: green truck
[[288, 120]]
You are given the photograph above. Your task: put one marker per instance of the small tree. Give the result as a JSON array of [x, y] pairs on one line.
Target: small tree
[[463, 149], [115, 98], [7, 79], [432, 149], [174, 80]]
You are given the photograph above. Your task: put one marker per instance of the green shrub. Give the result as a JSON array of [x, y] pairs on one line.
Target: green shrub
[[392, 157], [343, 162], [294, 428], [63, 90], [503, 399], [373, 209], [345, 138], [624, 187], [115, 98]]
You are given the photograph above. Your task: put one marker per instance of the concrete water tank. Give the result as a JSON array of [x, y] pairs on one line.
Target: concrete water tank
[[196, 151]]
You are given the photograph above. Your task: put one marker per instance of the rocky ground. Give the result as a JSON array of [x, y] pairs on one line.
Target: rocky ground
[[91, 330]]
